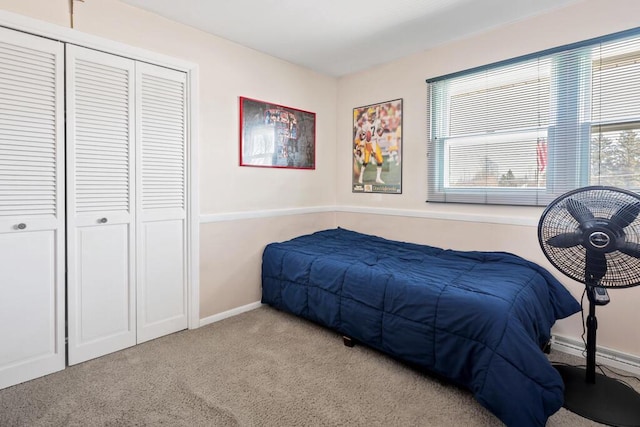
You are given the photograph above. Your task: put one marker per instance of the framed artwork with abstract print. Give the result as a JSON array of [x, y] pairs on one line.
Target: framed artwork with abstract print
[[275, 136], [377, 148]]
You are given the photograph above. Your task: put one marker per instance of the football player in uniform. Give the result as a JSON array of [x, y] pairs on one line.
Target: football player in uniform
[[371, 147], [358, 153]]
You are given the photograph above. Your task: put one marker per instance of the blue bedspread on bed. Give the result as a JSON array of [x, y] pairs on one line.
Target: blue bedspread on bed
[[477, 318]]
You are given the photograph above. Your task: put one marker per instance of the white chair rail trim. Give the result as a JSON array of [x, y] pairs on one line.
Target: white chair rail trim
[[411, 213]]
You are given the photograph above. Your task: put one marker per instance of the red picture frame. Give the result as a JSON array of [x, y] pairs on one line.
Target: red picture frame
[[275, 136]]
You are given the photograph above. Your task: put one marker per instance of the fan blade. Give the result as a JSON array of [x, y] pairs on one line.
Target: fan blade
[[626, 215], [631, 249], [578, 211], [596, 266], [565, 240]]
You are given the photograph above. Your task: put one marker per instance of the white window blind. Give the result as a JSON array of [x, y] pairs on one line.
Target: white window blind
[[523, 131]]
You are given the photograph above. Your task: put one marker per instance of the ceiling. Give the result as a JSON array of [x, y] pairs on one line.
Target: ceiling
[[339, 37]]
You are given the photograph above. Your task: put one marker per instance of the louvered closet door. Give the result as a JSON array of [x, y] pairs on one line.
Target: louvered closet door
[[100, 203], [161, 213], [31, 207]]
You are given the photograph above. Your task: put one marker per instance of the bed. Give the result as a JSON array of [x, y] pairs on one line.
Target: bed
[[477, 318]]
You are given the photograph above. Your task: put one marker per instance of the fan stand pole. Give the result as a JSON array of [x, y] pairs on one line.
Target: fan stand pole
[[592, 326], [596, 396]]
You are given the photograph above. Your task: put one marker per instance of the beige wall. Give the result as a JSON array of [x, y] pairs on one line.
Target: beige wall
[[405, 79], [230, 250], [53, 11], [232, 253]]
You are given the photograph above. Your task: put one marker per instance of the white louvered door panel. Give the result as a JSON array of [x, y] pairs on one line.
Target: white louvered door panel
[[161, 202], [31, 207], [100, 204]]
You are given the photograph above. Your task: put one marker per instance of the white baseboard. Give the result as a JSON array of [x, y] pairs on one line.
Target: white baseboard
[[604, 356], [230, 313]]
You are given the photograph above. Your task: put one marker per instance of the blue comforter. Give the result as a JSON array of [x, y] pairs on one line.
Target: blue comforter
[[477, 318]]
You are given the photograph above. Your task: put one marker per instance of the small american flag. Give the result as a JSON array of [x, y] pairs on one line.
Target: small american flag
[[541, 151]]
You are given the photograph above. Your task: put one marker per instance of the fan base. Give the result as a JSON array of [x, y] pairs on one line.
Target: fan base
[[608, 401]]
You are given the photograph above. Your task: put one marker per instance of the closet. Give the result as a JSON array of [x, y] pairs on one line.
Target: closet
[[93, 182], [32, 228]]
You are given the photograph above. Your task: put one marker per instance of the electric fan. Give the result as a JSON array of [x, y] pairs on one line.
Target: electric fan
[[592, 235]]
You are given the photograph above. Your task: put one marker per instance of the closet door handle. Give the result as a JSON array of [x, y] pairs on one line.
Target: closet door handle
[[102, 220], [21, 226]]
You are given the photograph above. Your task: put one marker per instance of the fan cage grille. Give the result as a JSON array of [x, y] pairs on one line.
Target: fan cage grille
[[623, 270]]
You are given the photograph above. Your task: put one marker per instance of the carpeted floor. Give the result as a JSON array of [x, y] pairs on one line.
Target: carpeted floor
[[260, 368]]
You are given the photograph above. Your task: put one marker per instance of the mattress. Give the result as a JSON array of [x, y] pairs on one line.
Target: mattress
[[476, 318]]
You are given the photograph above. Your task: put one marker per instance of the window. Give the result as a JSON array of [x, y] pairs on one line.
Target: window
[[524, 131]]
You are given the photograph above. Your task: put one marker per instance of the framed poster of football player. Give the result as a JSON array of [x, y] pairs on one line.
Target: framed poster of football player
[[276, 136], [377, 148]]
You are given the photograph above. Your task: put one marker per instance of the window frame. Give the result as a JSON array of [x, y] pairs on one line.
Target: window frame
[[565, 172]]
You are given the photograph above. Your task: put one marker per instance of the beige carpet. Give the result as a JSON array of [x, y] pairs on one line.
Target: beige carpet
[[261, 368]]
